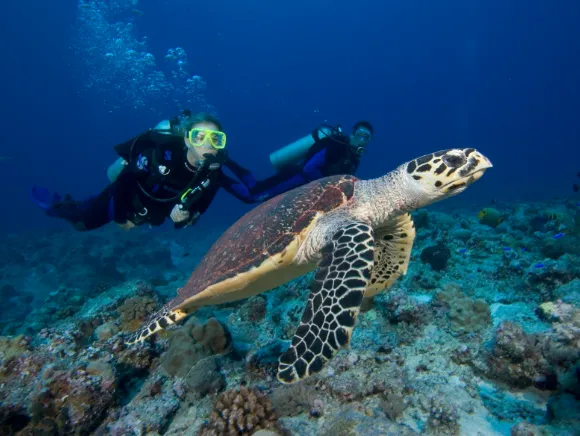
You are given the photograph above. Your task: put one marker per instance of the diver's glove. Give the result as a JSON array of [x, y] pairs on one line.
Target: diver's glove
[[179, 212]]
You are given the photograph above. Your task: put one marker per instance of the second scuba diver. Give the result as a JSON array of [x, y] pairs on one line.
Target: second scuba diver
[[327, 151], [173, 170]]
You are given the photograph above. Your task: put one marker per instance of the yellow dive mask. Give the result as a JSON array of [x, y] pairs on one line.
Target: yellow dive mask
[[199, 137]]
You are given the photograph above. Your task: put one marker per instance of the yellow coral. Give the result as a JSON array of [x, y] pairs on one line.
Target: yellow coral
[[12, 346], [547, 309]]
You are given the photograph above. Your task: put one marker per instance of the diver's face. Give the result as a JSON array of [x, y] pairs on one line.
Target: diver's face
[[201, 144], [360, 138]]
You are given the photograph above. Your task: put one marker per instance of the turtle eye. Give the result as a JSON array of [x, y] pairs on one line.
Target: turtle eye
[[454, 160]]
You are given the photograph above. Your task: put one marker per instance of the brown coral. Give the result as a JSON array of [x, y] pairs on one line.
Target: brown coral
[[13, 346], [254, 310], [294, 399], [72, 399], [465, 314], [134, 311], [212, 335], [524, 429], [516, 357], [562, 344], [240, 411], [192, 343], [443, 418]]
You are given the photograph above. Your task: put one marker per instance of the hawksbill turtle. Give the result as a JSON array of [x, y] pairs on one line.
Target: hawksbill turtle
[[357, 234]]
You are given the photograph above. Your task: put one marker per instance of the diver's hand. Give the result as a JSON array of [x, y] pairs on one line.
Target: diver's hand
[[128, 225], [179, 215]]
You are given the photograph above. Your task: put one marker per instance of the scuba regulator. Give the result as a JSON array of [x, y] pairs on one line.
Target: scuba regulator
[[337, 135], [193, 193]]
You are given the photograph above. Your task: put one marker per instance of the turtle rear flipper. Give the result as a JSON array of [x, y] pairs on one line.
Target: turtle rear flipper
[[337, 292], [157, 322]]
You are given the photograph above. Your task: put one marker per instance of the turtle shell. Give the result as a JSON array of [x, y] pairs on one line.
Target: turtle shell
[[264, 233]]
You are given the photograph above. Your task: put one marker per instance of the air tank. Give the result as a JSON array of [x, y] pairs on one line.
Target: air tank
[[296, 151]]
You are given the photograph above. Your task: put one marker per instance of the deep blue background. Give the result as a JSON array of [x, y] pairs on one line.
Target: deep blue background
[[500, 75]]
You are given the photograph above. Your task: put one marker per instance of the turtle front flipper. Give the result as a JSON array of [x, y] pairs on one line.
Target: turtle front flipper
[[337, 292], [157, 322]]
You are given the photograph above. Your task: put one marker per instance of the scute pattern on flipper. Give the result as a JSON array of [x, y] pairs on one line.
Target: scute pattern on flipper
[[333, 304], [394, 243], [157, 322]]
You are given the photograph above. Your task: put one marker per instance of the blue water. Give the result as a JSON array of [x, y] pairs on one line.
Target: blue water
[[498, 75], [481, 334]]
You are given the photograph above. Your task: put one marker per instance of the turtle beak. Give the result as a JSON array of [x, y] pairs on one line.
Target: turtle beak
[[477, 175], [480, 165]]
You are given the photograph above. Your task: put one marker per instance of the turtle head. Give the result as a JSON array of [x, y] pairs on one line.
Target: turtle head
[[445, 173]]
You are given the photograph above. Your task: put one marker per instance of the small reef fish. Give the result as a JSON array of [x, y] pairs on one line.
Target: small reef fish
[[490, 217], [554, 216]]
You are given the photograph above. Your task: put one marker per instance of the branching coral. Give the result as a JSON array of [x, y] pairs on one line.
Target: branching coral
[[240, 411]]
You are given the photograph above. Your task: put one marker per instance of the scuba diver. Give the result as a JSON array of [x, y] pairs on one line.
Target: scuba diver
[[173, 170], [327, 151]]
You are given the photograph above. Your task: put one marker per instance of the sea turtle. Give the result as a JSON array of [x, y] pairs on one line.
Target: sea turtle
[[357, 234]]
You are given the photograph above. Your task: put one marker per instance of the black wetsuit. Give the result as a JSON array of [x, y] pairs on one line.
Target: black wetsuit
[[328, 156], [155, 179]]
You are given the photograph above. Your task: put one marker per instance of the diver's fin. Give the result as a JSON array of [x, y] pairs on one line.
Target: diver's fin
[[43, 198]]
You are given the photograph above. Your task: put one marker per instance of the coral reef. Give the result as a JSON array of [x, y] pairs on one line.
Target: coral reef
[[516, 358], [466, 314], [192, 343], [134, 311], [482, 336], [436, 256], [562, 347], [443, 418], [296, 399], [254, 310], [240, 411]]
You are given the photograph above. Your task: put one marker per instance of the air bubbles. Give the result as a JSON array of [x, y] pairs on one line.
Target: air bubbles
[[119, 72]]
